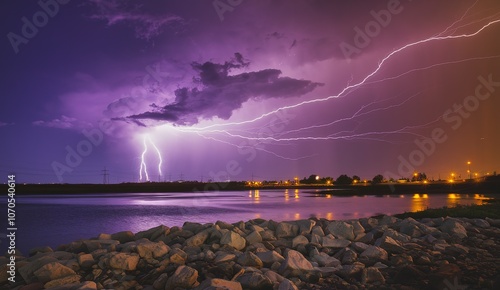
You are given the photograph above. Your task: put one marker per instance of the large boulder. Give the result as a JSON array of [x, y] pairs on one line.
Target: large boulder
[[305, 226], [254, 237], [335, 243], [270, 257], [372, 275], [233, 239], [184, 277], [389, 244], [341, 230], [220, 284], [295, 264], [153, 233]]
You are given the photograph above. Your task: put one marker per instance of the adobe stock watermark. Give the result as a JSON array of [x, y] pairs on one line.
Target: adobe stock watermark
[[95, 136], [453, 116], [30, 27], [223, 6], [363, 36]]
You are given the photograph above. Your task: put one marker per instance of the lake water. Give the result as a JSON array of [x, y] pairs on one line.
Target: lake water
[[57, 219]]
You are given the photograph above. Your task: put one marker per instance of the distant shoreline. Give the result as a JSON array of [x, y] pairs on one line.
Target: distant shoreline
[[467, 187]]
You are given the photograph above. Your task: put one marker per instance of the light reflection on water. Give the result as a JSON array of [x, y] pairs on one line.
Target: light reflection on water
[[57, 219]]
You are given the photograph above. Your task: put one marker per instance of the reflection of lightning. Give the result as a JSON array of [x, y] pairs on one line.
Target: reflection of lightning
[[143, 162]]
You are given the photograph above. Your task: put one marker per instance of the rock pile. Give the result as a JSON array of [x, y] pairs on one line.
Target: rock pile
[[369, 253]]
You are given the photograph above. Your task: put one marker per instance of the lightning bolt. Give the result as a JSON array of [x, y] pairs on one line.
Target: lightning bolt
[[143, 167], [360, 83]]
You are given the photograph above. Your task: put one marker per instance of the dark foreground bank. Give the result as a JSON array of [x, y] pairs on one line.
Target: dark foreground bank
[[382, 252]]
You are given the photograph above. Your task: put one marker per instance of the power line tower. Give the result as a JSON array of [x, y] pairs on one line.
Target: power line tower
[[105, 176]]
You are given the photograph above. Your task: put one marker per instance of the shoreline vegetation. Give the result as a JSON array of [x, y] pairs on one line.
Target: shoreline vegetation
[[489, 186], [447, 248]]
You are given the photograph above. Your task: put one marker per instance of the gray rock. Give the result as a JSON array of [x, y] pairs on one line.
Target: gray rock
[[86, 260], [388, 220], [254, 237], [305, 226], [452, 227], [198, 239], [192, 227], [335, 243], [481, 223], [184, 277], [341, 229], [374, 252], [359, 246], [148, 249], [222, 256], [153, 233], [249, 259], [287, 285], [161, 281], [286, 230], [73, 280], [53, 271], [123, 237], [372, 275], [274, 277], [123, 261], [255, 280], [324, 260], [299, 240], [270, 257], [390, 245], [268, 235], [233, 239], [294, 264], [351, 270], [349, 256], [357, 227], [318, 231], [215, 283]]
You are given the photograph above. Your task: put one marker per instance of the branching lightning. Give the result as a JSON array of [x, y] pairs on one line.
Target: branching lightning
[[216, 131]]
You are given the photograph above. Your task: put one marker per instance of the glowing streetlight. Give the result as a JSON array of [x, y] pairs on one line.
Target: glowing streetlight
[[468, 169]]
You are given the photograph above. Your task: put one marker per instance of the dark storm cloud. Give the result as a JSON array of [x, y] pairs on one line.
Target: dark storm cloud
[[219, 94]]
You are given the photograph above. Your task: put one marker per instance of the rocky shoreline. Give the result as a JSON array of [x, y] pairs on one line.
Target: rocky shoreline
[[368, 253]]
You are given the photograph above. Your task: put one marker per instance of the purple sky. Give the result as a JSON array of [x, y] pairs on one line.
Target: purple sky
[[230, 89]]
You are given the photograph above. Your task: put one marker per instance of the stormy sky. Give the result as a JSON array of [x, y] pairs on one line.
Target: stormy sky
[[227, 90]]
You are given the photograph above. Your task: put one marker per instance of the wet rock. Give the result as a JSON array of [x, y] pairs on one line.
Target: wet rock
[[341, 230], [286, 230], [294, 264], [184, 277], [233, 239]]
